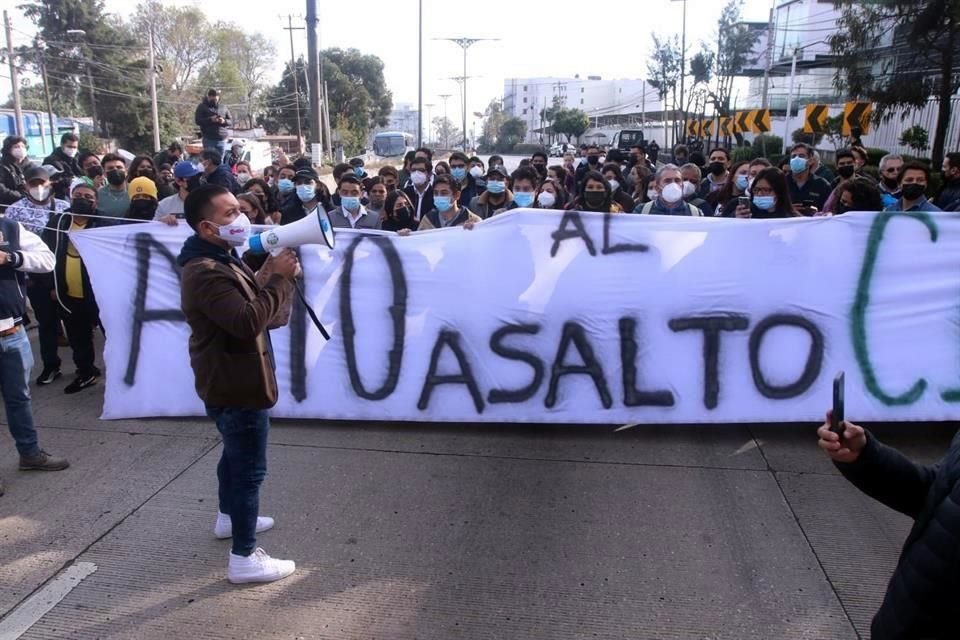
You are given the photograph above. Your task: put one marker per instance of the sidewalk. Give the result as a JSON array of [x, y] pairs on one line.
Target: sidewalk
[[451, 531]]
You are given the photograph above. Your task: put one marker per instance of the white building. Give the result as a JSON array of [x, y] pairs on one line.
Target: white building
[[611, 104], [403, 117]]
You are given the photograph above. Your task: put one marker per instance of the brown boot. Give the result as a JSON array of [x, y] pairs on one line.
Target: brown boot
[[43, 461]]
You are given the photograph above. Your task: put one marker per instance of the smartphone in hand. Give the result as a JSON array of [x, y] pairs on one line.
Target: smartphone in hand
[[837, 417]]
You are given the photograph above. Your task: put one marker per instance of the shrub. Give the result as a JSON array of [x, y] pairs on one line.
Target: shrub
[[767, 145]]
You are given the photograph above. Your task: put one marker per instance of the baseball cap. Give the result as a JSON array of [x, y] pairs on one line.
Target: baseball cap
[[81, 182], [306, 174], [186, 169], [36, 172], [142, 186], [53, 170], [496, 171]]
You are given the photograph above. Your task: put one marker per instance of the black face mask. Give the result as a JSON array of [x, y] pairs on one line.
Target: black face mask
[[913, 191], [595, 199], [717, 168], [143, 209], [82, 207], [891, 183], [94, 172], [845, 172], [147, 173], [403, 214], [541, 169], [116, 176], [591, 159], [60, 189]]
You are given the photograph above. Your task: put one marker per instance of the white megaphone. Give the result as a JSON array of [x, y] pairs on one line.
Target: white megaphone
[[313, 229]]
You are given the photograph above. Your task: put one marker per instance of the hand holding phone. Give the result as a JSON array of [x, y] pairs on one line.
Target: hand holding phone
[[837, 415]]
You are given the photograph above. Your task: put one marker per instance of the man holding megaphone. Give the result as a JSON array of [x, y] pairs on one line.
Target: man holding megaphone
[[229, 310]]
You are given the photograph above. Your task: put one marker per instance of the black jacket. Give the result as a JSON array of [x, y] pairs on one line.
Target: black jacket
[[12, 184], [56, 237], [925, 585], [208, 129], [222, 176], [414, 197], [949, 197], [69, 164]]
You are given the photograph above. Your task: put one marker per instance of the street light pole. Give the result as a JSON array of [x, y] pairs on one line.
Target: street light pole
[[153, 91], [14, 78], [786, 118], [465, 43], [446, 142], [683, 61], [420, 77], [296, 82]]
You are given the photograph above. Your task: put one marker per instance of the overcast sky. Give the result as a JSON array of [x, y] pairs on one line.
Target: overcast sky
[[554, 38]]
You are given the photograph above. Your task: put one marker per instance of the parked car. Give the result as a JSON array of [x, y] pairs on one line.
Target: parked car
[[557, 150]]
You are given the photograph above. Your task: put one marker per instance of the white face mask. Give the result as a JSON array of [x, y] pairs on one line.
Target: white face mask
[[39, 193], [70, 151], [418, 178], [546, 199], [19, 152], [237, 232], [614, 184], [242, 178], [672, 193], [688, 188], [476, 171], [652, 194]]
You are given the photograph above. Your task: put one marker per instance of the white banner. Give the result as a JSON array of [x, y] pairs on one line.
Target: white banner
[[573, 318]]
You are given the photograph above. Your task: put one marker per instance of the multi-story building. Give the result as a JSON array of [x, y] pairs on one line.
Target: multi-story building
[[403, 118], [611, 104]]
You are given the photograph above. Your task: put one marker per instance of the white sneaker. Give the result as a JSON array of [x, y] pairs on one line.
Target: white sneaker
[[223, 529], [258, 567]]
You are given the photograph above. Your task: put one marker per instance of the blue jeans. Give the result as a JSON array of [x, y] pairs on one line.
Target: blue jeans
[[215, 143], [16, 363], [241, 470]]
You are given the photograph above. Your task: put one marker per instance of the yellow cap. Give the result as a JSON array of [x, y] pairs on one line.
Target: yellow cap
[[142, 186]]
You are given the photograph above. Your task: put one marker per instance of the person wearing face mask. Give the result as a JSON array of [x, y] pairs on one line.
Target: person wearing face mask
[[769, 197], [591, 162], [889, 185], [804, 186], [595, 195], [285, 189], [420, 190], [736, 188], [356, 166], [171, 155], [229, 309], [525, 181], [113, 198], [614, 177], [377, 196], [214, 121], [215, 172], [718, 176], [75, 301], [66, 155], [258, 188], [91, 168], [539, 162], [243, 172], [397, 213], [390, 177], [352, 214], [668, 182], [306, 199], [143, 199], [59, 180], [447, 211], [142, 166], [680, 154], [819, 169], [691, 180], [186, 177], [468, 186], [914, 177], [495, 197], [551, 195], [477, 171], [13, 157], [858, 194], [33, 210], [948, 198]]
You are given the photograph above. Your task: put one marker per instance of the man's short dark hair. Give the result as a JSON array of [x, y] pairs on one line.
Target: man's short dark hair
[[340, 169], [349, 179], [212, 155], [426, 150], [86, 155], [526, 173], [638, 146], [303, 162], [112, 157], [914, 166], [475, 159], [196, 208], [538, 154], [212, 92], [954, 159], [424, 161], [69, 137], [763, 162], [387, 170], [447, 179], [844, 153], [175, 146], [723, 150], [802, 145], [458, 155]]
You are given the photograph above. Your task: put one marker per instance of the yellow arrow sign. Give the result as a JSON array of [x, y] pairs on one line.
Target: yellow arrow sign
[[856, 114], [726, 127], [816, 120], [706, 128]]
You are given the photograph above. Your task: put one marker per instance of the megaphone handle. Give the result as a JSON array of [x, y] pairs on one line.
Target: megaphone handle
[[310, 311]]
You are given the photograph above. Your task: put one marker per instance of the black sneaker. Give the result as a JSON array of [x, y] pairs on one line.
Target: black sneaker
[[48, 376], [80, 383]]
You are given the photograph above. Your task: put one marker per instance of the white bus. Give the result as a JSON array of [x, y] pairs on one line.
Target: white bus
[[392, 144]]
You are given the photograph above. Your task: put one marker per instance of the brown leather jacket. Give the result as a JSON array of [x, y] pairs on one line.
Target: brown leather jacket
[[229, 313]]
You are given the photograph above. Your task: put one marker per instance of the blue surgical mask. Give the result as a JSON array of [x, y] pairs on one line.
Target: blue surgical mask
[[358, 171], [350, 203], [458, 173], [496, 186], [798, 165], [523, 198], [764, 203], [742, 182], [285, 185], [442, 203], [306, 192]]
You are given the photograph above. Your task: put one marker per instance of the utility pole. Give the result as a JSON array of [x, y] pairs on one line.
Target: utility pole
[[153, 91], [326, 118], [296, 82], [41, 59], [420, 76], [313, 80], [771, 37], [14, 77], [446, 142], [465, 43], [429, 106], [683, 60]]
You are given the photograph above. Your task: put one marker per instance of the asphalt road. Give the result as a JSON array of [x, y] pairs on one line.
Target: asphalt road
[[447, 531]]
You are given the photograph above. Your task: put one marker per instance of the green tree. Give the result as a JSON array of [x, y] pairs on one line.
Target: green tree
[[916, 137], [446, 132], [799, 135], [571, 123], [919, 66], [238, 68], [280, 103], [31, 97], [358, 93], [735, 42], [664, 69], [494, 118], [511, 133]]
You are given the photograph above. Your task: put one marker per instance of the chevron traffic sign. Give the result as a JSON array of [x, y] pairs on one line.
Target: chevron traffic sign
[[740, 122], [816, 120], [693, 128], [760, 121], [726, 126], [856, 114], [706, 128]]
